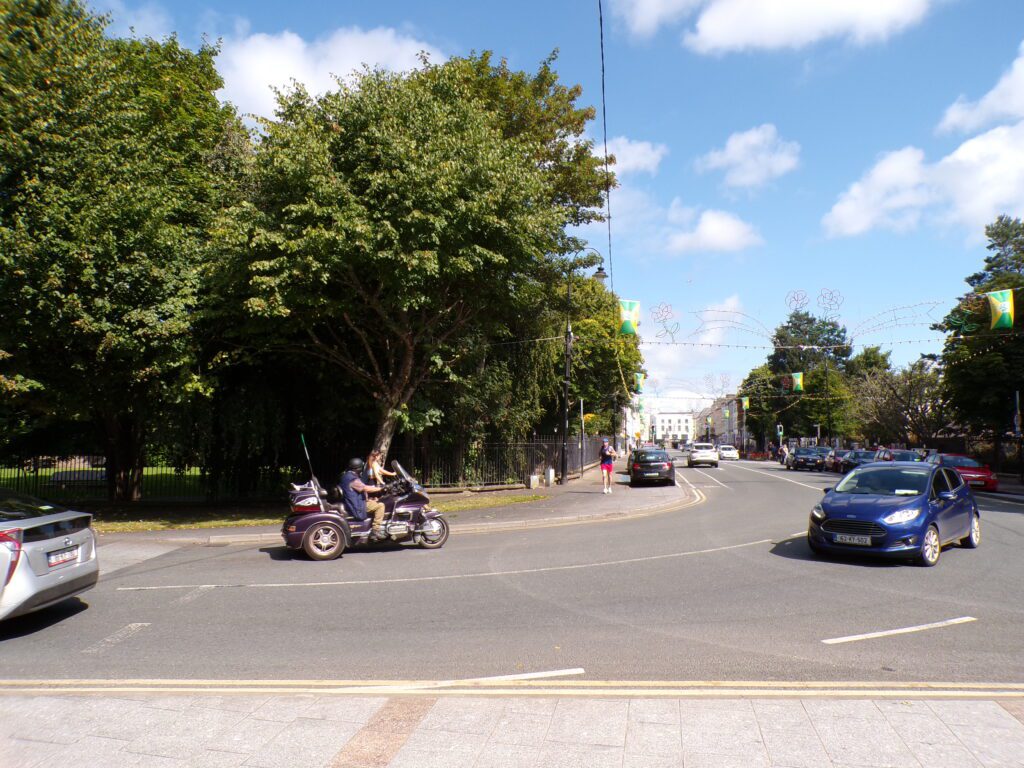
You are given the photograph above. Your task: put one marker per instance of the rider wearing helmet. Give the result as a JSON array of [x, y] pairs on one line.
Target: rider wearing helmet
[[353, 494]]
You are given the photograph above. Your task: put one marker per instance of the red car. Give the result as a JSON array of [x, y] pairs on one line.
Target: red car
[[974, 472]]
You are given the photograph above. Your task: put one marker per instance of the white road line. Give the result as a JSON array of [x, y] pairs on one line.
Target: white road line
[[457, 576], [685, 480], [903, 631], [776, 476], [118, 637], [709, 477], [188, 597]]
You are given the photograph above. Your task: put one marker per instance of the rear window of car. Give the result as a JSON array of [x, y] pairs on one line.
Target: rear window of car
[[905, 456], [703, 447], [959, 461], [652, 456], [726, 448], [18, 506], [886, 481], [862, 454]]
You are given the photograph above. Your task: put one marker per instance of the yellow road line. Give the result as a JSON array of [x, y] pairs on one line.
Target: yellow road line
[[865, 693]]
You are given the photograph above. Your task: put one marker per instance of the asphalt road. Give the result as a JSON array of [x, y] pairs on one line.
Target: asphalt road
[[724, 590]]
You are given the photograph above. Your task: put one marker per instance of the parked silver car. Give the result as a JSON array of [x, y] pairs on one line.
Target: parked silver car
[[47, 554]]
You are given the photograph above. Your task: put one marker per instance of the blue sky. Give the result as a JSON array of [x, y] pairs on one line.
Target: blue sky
[[765, 146]]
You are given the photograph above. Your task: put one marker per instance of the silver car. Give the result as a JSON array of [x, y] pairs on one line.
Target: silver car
[[702, 453], [47, 554]]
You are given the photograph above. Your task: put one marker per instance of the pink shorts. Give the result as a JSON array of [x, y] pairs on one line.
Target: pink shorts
[[607, 468]]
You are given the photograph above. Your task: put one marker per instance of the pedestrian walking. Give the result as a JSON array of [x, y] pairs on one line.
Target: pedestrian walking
[[608, 455]]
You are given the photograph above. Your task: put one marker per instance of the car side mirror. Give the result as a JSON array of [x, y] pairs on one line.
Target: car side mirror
[[825, 490], [947, 495]]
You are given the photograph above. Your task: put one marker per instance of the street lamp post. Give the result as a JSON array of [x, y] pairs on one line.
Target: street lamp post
[[600, 275]]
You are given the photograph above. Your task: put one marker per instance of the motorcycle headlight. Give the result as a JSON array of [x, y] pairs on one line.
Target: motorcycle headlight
[[902, 516], [818, 513]]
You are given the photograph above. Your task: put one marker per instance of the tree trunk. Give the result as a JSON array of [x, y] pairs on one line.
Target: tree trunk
[[386, 429], [124, 447]]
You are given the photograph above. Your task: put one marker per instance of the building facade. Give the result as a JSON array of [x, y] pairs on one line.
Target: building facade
[[673, 426]]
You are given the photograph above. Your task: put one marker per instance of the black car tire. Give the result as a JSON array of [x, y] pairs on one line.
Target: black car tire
[[973, 539], [812, 546], [324, 541], [931, 548]]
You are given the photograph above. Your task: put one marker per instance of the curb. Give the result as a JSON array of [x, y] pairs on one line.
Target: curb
[[694, 497]]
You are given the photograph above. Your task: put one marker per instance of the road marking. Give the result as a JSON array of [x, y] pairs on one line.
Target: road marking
[[903, 631], [709, 477], [456, 576], [681, 476], [874, 690], [188, 597], [524, 676], [118, 637], [775, 475]]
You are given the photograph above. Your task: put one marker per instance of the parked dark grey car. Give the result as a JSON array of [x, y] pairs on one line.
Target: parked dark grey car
[[648, 465]]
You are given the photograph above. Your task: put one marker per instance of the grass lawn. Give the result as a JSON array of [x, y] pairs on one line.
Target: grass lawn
[[166, 518]]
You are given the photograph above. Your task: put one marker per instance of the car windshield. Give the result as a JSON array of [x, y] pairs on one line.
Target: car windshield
[[652, 456], [841, 453], [862, 454], [703, 447], [806, 452], [885, 481], [959, 461], [726, 448], [18, 506]]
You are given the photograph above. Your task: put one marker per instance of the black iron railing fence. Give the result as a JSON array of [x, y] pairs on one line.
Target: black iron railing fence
[[83, 477]]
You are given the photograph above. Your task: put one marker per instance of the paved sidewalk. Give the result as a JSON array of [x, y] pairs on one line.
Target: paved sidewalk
[[580, 500], [324, 731]]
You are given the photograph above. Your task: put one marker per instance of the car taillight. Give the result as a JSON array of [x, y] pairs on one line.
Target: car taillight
[[12, 541], [636, 466]]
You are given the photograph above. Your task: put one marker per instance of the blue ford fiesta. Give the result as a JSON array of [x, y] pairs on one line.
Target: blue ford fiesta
[[896, 509]]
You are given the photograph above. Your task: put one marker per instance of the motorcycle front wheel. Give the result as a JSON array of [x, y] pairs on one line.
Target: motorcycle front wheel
[[434, 533]]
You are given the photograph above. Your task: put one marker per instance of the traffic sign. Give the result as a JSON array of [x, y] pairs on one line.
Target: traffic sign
[[778, 428]]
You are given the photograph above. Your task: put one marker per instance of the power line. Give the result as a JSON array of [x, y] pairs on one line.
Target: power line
[[604, 127]]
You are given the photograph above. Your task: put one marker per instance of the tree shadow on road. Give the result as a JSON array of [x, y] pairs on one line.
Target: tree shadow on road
[[797, 548], [31, 623]]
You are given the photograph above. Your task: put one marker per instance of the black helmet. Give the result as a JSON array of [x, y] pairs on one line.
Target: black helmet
[[355, 465]]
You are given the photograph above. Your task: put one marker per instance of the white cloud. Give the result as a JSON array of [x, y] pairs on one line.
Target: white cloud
[[890, 195], [1005, 100], [753, 158], [644, 17], [636, 156], [146, 20], [737, 25], [716, 231], [252, 64], [982, 178]]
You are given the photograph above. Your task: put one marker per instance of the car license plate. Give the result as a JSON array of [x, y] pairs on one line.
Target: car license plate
[[650, 474], [62, 556], [977, 482], [847, 538]]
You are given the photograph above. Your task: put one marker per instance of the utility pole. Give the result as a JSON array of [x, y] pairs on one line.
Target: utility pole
[[1020, 439], [828, 406], [565, 384]]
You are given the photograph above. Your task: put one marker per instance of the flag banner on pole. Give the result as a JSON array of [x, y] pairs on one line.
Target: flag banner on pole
[[710, 419], [746, 403], [726, 413], [629, 317], [798, 382], [640, 378], [1001, 304]]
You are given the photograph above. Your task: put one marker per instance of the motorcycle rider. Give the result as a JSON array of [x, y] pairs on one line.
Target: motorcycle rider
[[353, 494]]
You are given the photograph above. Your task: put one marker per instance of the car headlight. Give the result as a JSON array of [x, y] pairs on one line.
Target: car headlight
[[902, 516], [818, 513]]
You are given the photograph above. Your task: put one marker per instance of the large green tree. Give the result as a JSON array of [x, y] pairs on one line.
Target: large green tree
[[403, 224], [109, 158], [983, 368]]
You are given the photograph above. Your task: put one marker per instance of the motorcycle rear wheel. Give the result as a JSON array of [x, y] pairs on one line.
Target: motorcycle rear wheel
[[435, 540], [324, 541]]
